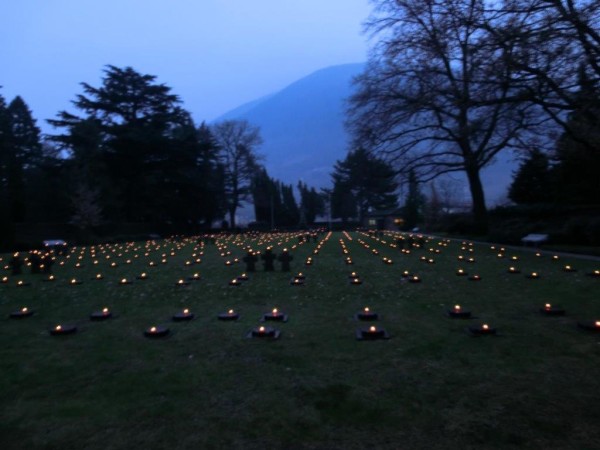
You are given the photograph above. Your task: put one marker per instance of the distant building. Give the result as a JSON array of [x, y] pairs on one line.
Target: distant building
[[385, 219]]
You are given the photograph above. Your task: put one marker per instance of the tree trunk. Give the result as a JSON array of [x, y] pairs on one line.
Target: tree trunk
[[480, 214], [232, 217]]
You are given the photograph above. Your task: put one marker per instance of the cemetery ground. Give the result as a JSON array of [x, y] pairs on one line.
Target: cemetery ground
[[536, 384]]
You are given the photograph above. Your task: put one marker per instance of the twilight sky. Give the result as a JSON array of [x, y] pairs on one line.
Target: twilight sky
[[215, 54]]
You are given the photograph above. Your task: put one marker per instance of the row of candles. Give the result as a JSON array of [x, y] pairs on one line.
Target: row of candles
[[275, 315]]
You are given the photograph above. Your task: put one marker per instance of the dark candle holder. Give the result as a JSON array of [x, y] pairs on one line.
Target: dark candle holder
[[481, 330], [371, 334], [459, 313], [550, 310], [266, 333], [590, 325], [156, 332], [21, 313], [63, 330], [183, 316], [101, 315], [366, 315], [274, 316], [230, 315]]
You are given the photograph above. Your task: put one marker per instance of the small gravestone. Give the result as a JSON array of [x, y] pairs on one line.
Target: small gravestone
[[183, 316], [552, 310], [63, 330], [366, 315], [16, 264], [458, 312], [230, 315], [265, 333], [156, 332], [98, 316], [285, 258], [268, 257], [274, 316], [21, 313], [250, 259], [371, 334]]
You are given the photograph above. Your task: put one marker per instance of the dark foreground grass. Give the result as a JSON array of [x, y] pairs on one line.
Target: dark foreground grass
[[535, 385]]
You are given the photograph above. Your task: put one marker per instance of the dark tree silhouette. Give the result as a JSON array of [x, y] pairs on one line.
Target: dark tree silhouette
[[368, 179], [432, 98], [532, 181], [237, 142]]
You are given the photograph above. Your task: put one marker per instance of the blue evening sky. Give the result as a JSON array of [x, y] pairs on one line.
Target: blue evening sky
[[215, 54]]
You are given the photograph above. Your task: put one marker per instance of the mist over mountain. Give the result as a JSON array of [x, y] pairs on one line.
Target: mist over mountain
[[303, 131]]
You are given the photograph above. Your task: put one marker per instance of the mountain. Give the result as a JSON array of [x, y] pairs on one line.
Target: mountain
[[303, 131], [303, 125]]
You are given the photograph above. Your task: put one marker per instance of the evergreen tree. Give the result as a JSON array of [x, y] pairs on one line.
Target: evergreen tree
[[532, 181], [23, 156], [290, 215], [312, 203], [263, 191], [578, 149], [343, 202], [6, 221], [135, 129], [370, 180]]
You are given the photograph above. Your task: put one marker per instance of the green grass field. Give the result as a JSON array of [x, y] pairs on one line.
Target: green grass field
[[431, 386]]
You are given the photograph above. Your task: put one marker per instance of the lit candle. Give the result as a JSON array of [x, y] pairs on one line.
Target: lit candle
[[372, 329]]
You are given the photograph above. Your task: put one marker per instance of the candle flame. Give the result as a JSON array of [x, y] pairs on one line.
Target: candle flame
[[230, 311], [261, 330], [186, 311], [367, 309], [372, 328], [105, 311], [153, 330], [275, 311], [457, 307], [597, 323], [58, 328], [548, 306], [485, 326], [24, 309]]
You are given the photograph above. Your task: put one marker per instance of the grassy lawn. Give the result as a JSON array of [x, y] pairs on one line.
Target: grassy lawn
[[432, 385]]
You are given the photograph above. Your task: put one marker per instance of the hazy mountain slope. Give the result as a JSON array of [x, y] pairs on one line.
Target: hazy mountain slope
[[303, 130], [302, 125]]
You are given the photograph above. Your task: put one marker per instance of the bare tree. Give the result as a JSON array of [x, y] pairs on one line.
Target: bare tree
[[549, 43], [433, 96], [237, 141]]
